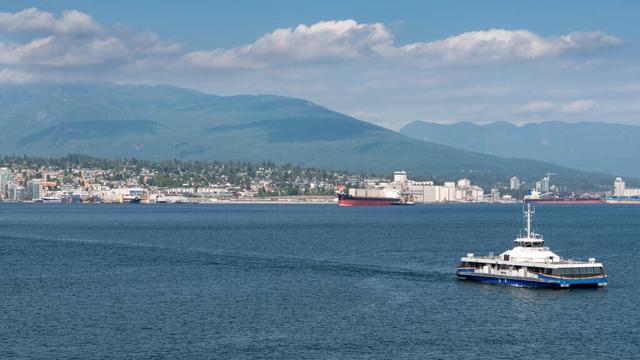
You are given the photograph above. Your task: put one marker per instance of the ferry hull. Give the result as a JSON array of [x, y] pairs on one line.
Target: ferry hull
[[542, 282]]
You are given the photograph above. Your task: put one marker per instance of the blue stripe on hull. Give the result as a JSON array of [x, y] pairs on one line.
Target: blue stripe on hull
[[512, 282], [547, 282]]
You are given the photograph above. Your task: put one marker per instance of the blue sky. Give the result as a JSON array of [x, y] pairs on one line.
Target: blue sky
[[384, 62]]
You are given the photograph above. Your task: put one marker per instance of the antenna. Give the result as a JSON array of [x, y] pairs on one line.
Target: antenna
[[528, 215]]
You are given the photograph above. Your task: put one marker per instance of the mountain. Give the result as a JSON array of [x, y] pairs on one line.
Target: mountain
[[164, 122], [591, 146]]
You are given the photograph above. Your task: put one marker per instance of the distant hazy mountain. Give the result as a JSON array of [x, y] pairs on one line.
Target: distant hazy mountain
[[162, 122], [593, 146]]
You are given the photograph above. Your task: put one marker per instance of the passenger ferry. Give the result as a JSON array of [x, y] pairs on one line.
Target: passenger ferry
[[531, 264]]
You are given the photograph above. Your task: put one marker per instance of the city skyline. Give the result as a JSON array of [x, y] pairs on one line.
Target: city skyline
[[463, 61]]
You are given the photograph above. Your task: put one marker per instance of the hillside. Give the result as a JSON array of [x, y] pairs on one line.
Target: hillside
[[590, 146], [162, 122]]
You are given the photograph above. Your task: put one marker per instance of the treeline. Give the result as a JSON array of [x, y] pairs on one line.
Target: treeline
[[283, 179]]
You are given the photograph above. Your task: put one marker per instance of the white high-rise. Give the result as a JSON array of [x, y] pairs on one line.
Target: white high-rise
[[619, 187], [33, 189], [5, 179], [514, 183]]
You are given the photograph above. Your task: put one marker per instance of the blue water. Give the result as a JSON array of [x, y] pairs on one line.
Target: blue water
[[296, 281]]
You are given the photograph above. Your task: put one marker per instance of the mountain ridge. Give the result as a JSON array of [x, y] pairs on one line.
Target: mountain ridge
[[590, 146], [165, 122]]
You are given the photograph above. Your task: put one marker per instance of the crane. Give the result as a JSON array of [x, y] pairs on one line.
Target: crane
[[85, 183]]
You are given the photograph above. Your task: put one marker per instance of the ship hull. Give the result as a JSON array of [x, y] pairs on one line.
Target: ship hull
[[366, 202], [564, 201], [348, 200], [542, 281], [623, 200]]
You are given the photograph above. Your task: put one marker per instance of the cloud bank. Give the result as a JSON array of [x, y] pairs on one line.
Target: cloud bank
[[349, 40], [76, 39]]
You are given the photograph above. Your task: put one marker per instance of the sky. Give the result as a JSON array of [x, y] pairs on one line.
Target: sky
[[386, 62]]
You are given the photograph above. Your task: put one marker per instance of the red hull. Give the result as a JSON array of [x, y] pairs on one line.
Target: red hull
[[365, 202]]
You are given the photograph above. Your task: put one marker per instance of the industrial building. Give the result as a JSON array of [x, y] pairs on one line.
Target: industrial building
[[620, 189]]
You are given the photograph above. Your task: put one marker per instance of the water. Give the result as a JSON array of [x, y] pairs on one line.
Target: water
[[296, 281]]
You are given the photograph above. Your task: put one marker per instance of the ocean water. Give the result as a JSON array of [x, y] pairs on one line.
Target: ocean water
[[305, 281]]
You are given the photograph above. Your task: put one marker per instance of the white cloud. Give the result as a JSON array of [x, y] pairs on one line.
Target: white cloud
[[76, 23], [72, 22], [28, 20], [323, 41], [9, 76], [578, 107], [75, 39], [498, 45], [534, 107], [348, 40], [58, 51]]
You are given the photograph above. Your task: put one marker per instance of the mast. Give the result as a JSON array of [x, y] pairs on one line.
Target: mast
[[528, 215]]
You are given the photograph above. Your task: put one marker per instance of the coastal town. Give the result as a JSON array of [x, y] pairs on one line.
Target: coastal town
[[81, 179]]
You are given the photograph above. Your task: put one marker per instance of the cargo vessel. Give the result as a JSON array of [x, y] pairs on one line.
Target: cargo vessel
[[537, 198], [531, 264], [625, 200], [350, 200]]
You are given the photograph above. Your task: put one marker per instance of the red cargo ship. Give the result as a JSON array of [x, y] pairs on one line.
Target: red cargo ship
[[349, 200]]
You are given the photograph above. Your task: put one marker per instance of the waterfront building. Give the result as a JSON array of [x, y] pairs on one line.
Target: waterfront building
[[15, 192], [33, 189], [427, 192], [620, 189], [5, 179], [514, 183], [400, 177], [463, 183], [545, 184], [495, 195]]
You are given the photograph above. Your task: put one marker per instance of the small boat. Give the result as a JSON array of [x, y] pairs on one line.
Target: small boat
[[51, 200], [531, 264]]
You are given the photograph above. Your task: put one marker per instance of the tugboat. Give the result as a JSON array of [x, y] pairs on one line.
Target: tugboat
[[531, 264]]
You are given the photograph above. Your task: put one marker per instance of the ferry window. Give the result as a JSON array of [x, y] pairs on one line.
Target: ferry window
[[589, 271], [600, 271], [547, 271], [555, 272], [583, 271]]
